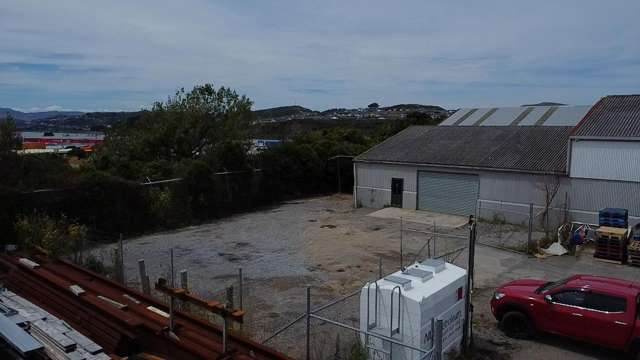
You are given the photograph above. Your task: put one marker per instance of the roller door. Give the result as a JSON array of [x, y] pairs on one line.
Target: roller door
[[448, 193]]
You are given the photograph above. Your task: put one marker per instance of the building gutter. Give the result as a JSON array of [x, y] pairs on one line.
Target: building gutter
[[462, 167], [606, 138]]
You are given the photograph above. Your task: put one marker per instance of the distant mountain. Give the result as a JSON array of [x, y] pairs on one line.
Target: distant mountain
[[281, 111], [546, 103], [32, 116]]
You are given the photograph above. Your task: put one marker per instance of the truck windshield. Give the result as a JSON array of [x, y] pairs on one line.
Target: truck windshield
[[551, 285]]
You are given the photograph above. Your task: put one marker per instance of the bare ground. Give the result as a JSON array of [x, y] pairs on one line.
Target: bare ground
[[328, 245]]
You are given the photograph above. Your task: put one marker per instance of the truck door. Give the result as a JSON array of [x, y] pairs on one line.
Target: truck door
[[610, 321], [566, 314]]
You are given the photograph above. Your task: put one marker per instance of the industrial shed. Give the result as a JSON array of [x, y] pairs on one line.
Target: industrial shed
[[503, 157]]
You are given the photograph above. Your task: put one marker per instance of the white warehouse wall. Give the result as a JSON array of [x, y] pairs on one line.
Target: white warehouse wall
[[605, 160]]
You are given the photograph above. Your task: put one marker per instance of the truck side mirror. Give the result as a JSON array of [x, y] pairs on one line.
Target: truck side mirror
[[548, 299]]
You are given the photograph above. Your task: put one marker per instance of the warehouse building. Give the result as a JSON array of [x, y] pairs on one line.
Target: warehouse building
[[506, 159]]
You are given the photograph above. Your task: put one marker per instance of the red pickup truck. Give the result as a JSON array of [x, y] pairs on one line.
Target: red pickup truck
[[595, 309]]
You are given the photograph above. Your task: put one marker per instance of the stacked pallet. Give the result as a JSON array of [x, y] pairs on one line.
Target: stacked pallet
[[611, 244], [634, 253], [613, 217]]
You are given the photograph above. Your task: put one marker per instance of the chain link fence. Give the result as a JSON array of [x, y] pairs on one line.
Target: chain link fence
[[518, 227]]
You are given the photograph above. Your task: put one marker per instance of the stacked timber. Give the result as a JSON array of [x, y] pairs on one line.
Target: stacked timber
[[611, 244]]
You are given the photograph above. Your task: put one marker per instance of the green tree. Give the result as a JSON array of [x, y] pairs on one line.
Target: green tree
[[9, 142], [199, 124]]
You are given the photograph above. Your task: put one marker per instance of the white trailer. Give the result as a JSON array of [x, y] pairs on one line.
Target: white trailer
[[405, 306]]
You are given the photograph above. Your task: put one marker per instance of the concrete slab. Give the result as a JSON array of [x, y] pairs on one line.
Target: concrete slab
[[421, 217]]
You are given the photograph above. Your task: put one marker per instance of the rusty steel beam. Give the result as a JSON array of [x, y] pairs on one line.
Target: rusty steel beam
[[125, 330]]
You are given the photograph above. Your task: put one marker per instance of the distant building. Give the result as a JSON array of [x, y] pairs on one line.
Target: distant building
[[59, 140], [488, 158]]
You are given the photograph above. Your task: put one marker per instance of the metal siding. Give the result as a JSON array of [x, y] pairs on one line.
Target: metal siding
[[593, 195], [380, 175], [607, 160], [373, 188], [448, 193]]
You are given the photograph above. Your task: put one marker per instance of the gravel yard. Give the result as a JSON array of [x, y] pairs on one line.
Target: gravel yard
[[327, 244]]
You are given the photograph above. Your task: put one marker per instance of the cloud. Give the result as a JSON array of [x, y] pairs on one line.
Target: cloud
[[121, 54]]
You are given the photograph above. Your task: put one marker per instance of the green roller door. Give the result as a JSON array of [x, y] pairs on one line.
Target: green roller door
[[448, 193]]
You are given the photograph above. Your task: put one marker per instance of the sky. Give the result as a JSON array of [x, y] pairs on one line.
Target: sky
[[124, 55]]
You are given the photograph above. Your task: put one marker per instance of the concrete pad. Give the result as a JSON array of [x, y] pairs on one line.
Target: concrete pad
[[421, 216]]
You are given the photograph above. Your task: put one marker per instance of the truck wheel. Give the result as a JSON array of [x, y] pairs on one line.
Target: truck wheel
[[517, 325]]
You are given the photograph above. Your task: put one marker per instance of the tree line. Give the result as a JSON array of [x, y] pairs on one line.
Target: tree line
[[201, 139]]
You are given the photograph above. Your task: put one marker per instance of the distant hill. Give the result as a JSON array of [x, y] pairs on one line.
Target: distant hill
[[32, 116], [281, 111], [413, 107], [546, 103]]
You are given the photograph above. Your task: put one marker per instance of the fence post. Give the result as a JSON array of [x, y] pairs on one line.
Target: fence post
[[401, 235], [435, 236], [466, 330], [184, 283], [438, 340], [121, 260], [172, 301], [380, 267], [144, 279], [529, 233], [308, 328], [240, 290]]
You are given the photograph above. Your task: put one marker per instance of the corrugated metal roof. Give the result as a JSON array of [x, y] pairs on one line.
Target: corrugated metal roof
[[523, 148], [525, 116], [612, 116]]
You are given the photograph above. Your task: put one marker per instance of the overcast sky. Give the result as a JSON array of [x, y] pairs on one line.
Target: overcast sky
[[123, 55]]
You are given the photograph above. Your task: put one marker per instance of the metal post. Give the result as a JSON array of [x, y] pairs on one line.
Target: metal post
[[240, 286], [380, 268], [308, 337], [184, 283], [438, 340], [121, 250], [401, 236], [529, 234], [468, 314], [172, 301], [116, 264], [144, 279], [225, 334], [435, 235], [339, 179]]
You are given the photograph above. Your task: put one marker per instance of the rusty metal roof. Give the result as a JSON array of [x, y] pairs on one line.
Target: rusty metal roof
[[535, 149], [612, 116]]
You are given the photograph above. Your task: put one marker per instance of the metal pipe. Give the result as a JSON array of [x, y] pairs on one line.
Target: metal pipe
[[380, 267], [435, 238], [438, 339], [467, 317], [372, 334]]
